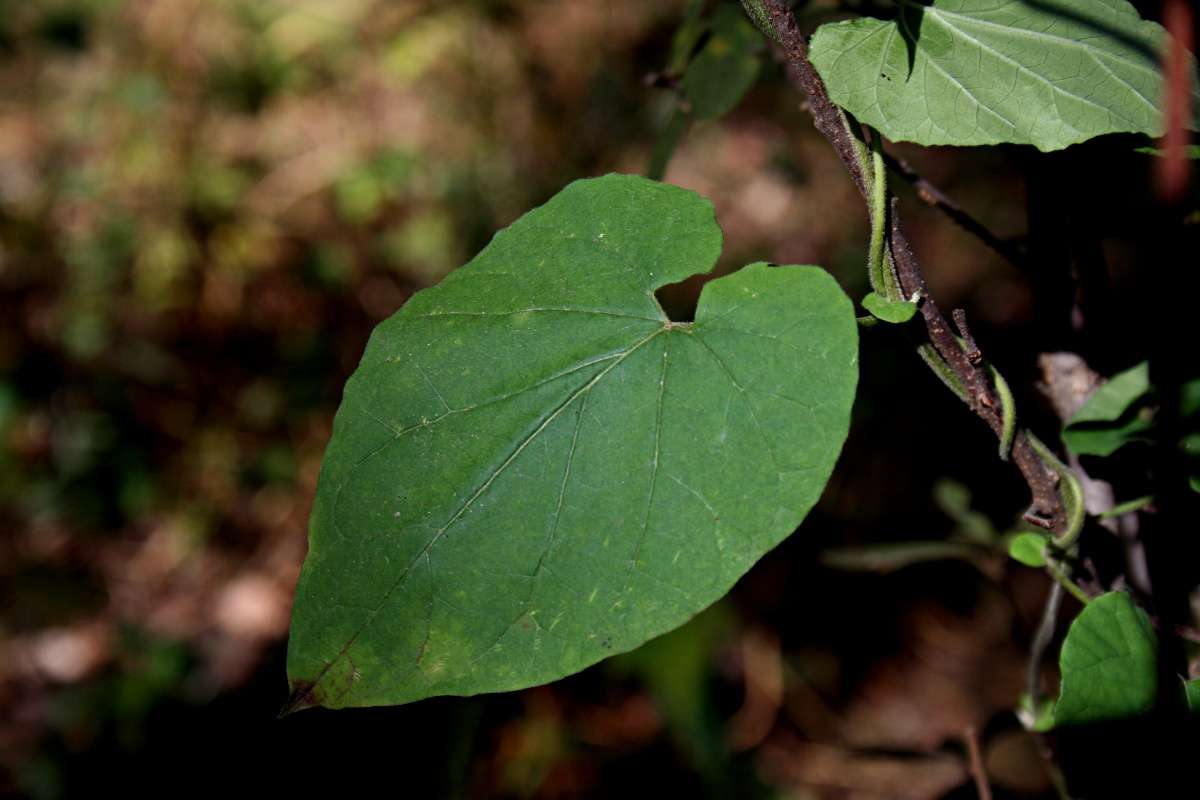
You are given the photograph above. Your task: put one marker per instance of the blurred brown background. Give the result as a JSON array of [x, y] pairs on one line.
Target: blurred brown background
[[205, 205]]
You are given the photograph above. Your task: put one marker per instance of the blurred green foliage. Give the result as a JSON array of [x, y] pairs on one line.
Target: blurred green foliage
[[204, 208], [206, 205]]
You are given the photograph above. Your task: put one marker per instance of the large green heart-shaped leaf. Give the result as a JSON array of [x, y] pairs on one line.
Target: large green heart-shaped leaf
[[1109, 663], [533, 468], [970, 72]]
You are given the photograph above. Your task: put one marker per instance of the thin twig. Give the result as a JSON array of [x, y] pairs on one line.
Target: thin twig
[[1041, 641], [960, 321], [1057, 779], [976, 761], [825, 114], [935, 197], [981, 395], [1059, 574], [1187, 633]]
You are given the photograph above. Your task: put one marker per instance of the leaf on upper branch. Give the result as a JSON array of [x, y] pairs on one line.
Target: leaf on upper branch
[[1113, 416], [971, 72], [726, 66], [533, 468], [1108, 663]]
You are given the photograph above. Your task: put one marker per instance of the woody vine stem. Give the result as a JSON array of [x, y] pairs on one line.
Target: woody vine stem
[[1055, 502]]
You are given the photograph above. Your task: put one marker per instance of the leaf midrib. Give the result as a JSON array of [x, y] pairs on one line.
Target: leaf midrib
[[1095, 52], [1037, 76]]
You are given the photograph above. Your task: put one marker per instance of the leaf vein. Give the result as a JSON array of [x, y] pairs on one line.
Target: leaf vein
[[345, 649]]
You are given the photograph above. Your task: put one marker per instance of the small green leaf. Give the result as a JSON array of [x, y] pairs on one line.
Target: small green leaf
[[1108, 663], [1116, 396], [1189, 398], [1111, 418], [1029, 549], [1191, 693], [533, 468], [1192, 151], [888, 310], [1104, 440], [973, 72], [726, 66]]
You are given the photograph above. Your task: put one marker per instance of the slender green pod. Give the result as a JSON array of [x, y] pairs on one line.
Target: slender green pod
[[940, 368], [1008, 412], [879, 267], [1069, 489]]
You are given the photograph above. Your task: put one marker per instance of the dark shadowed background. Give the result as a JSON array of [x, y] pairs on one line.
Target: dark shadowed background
[[205, 206]]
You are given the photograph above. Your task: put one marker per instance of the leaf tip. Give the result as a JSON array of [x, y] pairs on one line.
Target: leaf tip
[[304, 695]]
